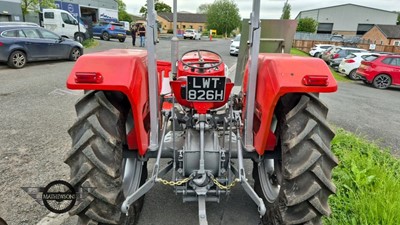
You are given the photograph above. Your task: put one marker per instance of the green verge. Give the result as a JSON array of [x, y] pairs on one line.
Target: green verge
[[337, 76], [90, 43], [368, 183]]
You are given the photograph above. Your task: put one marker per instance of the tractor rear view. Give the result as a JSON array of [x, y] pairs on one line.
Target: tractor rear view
[[186, 111]]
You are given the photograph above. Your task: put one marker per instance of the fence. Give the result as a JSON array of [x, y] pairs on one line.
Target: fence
[[306, 45]]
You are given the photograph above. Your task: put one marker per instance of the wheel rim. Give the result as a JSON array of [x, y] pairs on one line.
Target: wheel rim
[[105, 36], [79, 38], [19, 59], [382, 81], [353, 75], [267, 173], [75, 54], [132, 171], [269, 180], [131, 167]]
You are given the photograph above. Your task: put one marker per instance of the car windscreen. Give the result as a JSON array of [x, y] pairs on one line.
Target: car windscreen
[[324, 47], [189, 31], [237, 38]]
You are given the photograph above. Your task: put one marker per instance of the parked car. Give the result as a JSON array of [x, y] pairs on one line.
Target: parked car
[[64, 24], [318, 49], [192, 34], [234, 48], [107, 30], [20, 44], [350, 64], [381, 72], [338, 53], [18, 23]]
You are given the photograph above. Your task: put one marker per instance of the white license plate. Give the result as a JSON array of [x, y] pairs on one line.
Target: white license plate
[[205, 89]]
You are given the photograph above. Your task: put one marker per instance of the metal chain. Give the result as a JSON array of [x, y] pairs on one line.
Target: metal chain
[[175, 183], [222, 187]]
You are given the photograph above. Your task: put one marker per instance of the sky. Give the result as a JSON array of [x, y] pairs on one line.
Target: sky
[[270, 9]]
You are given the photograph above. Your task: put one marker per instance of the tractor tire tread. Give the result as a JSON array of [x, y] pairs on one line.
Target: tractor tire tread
[[95, 160], [307, 164]]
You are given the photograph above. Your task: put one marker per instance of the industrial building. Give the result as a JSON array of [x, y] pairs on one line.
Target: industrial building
[[348, 19], [10, 10]]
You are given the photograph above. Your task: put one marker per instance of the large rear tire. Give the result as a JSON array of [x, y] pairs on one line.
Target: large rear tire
[[96, 162], [297, 186]]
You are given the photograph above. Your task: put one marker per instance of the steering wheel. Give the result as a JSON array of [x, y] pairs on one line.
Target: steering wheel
[[202, 64]]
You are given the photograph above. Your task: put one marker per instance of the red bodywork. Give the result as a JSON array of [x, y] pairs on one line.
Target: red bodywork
[[125, 70], [279, 74], [370, 69], [183, 72]]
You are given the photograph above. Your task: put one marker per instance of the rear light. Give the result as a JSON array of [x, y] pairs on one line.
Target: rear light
[[315, 80], [349, 61], [335, 56], [112, 27], [1, 44], [88, 77]]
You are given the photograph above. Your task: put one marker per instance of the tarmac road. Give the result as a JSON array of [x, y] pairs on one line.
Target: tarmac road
[[36, 111]]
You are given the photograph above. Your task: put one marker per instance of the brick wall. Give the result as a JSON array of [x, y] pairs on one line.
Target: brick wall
[[376, 36]]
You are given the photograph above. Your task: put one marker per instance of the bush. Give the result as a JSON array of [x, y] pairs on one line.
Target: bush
[[90, 43]]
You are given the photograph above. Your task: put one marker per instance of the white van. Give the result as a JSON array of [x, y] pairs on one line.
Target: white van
[[64, 24], [126, 25]]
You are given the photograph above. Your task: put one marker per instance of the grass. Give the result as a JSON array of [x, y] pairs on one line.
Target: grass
[[367, 181], [90, 43], [337, 76]]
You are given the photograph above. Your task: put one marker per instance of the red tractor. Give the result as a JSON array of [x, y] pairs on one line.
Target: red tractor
[[127, 117]]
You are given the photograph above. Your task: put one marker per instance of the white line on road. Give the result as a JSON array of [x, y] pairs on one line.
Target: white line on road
[[59, 91]]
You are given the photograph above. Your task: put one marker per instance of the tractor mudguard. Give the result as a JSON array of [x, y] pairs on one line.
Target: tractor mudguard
[[123, 70], [280, 74]]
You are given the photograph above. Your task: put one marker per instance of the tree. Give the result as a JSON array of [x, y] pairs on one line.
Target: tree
[[159, 6], [307, 25], [286, 11], [203, 8], [35, 5], [223, 16], [398, 19], [122, 14]]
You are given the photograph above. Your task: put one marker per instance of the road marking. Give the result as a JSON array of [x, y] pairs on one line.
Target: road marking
[[59, 91], [231, 73]]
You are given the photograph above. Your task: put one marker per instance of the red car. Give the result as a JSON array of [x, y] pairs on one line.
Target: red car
[[381, 72]]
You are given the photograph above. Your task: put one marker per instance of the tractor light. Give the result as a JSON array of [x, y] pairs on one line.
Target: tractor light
[[315, 80], [88, 77]]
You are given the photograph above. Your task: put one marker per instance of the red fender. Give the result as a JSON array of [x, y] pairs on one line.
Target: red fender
[[279, 74], [123, 70]]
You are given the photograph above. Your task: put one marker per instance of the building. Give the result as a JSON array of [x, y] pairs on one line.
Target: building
[[348, 19], [10, 10], [185, 21], [92, 10], [384, 35]]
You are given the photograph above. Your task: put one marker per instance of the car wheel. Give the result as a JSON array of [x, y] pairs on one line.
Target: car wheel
[[184, 37], [353, 75], [79, 37], [74, 54], [382, 81], [121, 40], [106, 36], [17, 59], [317, 55]]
